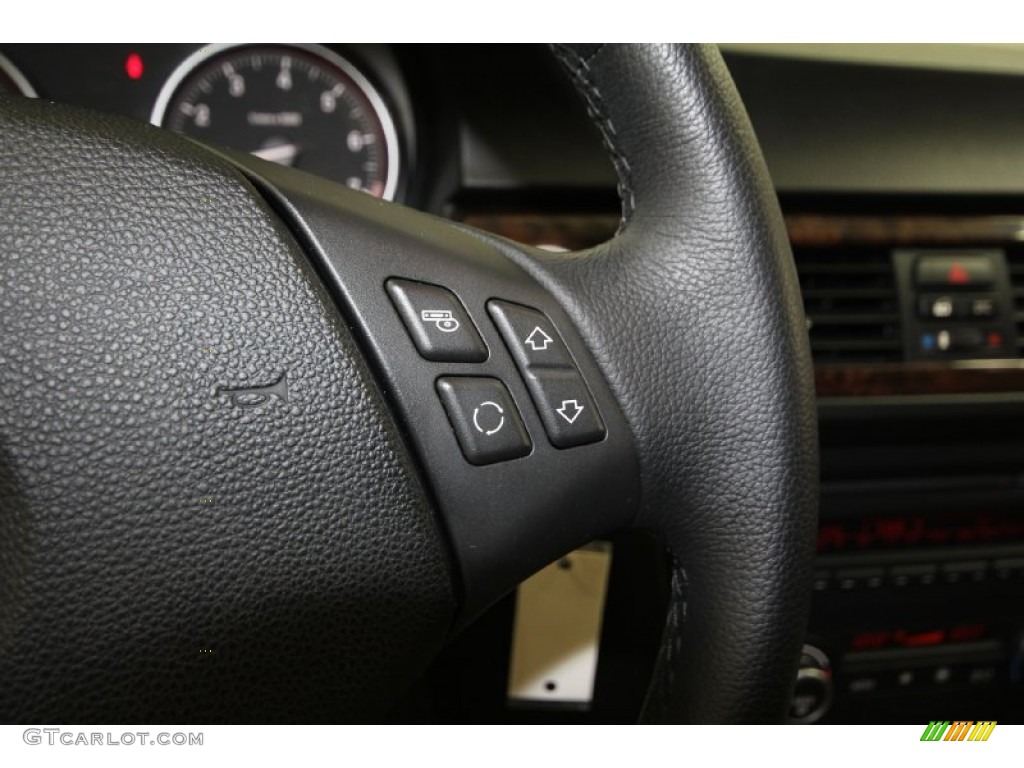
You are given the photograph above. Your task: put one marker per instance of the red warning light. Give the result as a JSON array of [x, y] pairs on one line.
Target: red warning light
[[957, 274], [133, 66], [964, 632], [918, 639]]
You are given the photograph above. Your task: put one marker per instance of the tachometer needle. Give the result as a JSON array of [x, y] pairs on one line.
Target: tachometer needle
[[283, 154]]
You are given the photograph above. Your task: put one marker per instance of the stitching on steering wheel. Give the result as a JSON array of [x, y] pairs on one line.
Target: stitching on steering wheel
[[664, 678], [579, 70], [658, 697]]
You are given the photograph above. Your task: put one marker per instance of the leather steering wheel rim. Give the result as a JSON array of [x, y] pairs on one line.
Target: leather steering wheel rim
[[227, 489], [700, 214]]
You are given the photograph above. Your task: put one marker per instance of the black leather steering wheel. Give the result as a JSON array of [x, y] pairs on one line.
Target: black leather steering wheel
[[233, 488]]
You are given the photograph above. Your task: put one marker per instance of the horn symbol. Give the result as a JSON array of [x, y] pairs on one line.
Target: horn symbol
[[250, 397]]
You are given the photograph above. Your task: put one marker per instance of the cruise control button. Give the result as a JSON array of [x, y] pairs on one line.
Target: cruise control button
[[530, 336], [565, 407], [485, 419], [437, 322]]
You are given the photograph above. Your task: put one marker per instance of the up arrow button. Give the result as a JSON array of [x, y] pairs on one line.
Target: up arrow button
[[538, 340], [530, 336]]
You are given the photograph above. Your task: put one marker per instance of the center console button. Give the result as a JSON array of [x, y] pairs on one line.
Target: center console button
[[952, 271]]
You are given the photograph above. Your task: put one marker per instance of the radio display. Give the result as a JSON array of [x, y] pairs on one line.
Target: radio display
[[944, 529]]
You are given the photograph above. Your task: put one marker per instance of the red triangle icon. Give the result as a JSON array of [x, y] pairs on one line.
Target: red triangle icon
[[958, 275]]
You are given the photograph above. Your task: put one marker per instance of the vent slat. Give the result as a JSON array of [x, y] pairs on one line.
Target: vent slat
[[851, 301], [862, 345], [850, 293], [1015, 265], [883, 318], [846, 269]]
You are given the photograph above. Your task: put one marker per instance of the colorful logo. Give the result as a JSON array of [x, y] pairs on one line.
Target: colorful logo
[[961, 730]]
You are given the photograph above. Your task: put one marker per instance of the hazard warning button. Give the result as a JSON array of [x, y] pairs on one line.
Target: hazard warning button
[[952, 271]]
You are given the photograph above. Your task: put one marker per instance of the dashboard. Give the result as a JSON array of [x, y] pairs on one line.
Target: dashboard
[[904, 202]]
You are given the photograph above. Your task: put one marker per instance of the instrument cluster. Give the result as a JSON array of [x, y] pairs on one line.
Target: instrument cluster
[[339, 113]]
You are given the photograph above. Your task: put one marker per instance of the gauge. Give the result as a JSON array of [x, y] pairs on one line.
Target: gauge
[[302, 106], [11, 79]]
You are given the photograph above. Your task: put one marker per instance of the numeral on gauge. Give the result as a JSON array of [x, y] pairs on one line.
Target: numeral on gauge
[[200, 113], [236, 83], [284, 76], [355, 141], [329, 99]]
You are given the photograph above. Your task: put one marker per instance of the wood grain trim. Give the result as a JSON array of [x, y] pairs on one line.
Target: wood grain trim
[[580, 231], [958, 378], [832, 230], [583, 230], [574, 232]]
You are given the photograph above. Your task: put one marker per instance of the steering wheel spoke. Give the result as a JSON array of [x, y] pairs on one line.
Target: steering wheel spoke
[[517, 435]]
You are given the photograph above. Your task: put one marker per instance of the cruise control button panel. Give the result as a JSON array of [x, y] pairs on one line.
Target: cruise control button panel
[[564, 403], [508, 501], [484, 417], [437, 322]]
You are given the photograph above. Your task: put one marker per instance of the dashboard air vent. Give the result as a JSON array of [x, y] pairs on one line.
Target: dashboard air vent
[[1015, 263], [851, 302]]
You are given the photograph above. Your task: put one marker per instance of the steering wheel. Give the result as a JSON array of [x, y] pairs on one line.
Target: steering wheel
[[266, 443]]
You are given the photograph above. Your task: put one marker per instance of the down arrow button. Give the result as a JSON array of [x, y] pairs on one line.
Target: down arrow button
[[570, 410], [565, 406]]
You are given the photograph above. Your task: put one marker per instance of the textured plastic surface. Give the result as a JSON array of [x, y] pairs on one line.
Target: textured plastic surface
[[206, 513], [851, 129]]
